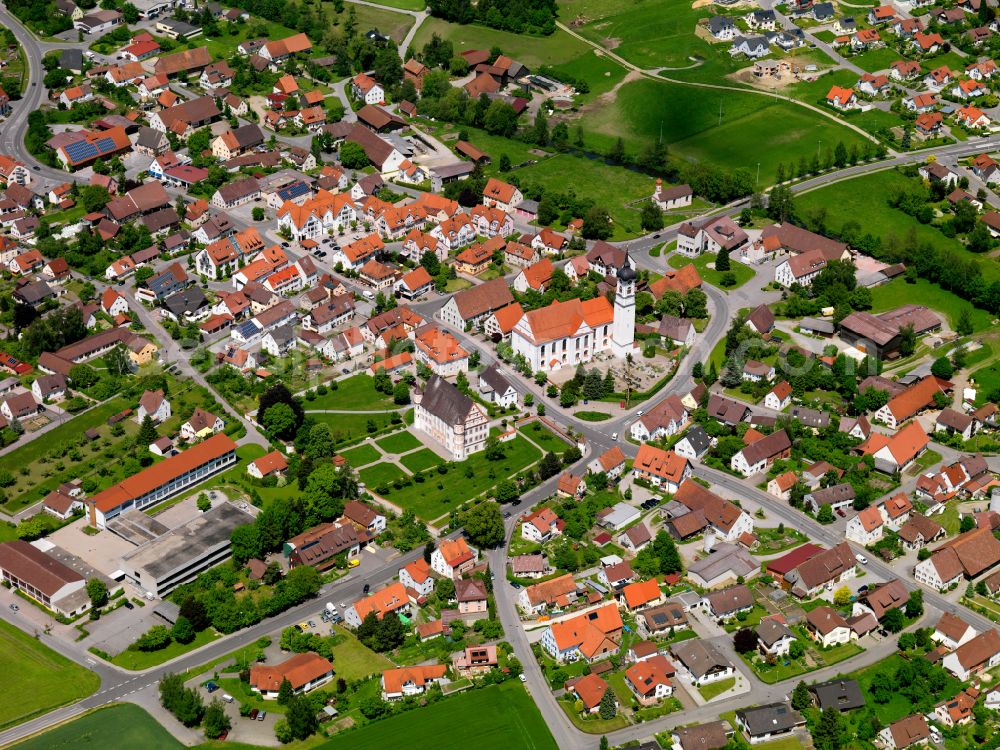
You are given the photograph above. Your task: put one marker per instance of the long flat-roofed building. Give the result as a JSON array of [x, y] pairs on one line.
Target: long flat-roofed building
[[162, 480], [160, 566]]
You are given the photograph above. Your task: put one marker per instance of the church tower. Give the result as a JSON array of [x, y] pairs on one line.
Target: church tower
[[623, 328]]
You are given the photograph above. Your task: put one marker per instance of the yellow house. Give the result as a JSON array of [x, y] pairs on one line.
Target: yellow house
[[142, 351]]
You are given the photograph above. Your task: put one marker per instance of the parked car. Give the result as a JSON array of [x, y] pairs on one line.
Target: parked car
[[522, 677], [211, 686], [128, 605], [253, 714], [15, 608], [861, 559], [261, 715], [367, 588]]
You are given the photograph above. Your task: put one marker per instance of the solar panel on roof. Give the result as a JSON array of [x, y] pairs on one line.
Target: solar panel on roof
[[106, 144], [80, 151]]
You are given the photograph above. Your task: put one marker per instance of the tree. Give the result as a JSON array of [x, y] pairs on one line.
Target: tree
[[401, 393], [257, 213], [280, 420], [484, 524], [604, 745], [493, 449], [549, 466], [285, 692], [828, 734], [980, 240], [650, 216], [506, 491], [967, 523], [745, 640], [428, 552], [882, 687], [964, 325], [722, 260], [800, 696], [182, 631], [915, 604], [117, 362], [353, 156], [194, 611], [608, 708], [842, 597], [216, 720], [893, 620], [444, 589], [825, 514], [596, 224], [97, 590], [245, 543], [907, 340], [593, 385], [942, 368], [301, 716]]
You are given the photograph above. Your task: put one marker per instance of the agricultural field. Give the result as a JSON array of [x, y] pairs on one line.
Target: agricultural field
[[726, 129], [493, 718], [121, 725], [44, 679]]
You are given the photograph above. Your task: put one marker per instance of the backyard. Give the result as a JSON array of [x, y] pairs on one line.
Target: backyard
[[43, 679]]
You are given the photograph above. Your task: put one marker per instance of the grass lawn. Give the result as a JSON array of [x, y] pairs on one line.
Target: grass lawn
[[400, 442], [492, 718], [354, 660], [345, 427], [897, 292], [952, 59], [363, 454], [592, 416], [689, 119], [592, 724], [136, 660], [713, 689], [356, 393], [876, 59], [987, 379], [120, 725], [387, 21], [41, 679], [379, 474], [545, 438], [742, 273], [421, 460], [463, 481], [850, 199], [592, 177]]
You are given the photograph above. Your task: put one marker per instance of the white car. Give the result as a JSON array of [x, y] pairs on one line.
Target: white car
[[861, 559], [522, 677], [614, 435]]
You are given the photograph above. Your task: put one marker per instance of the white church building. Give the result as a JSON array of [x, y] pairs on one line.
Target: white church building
[[567, 334]]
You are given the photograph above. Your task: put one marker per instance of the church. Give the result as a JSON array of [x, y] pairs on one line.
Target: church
[[567, 334]]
